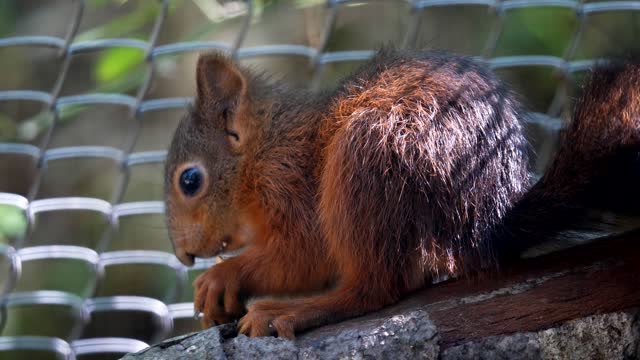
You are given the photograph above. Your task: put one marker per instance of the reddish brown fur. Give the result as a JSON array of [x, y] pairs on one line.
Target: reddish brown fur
[[414, 167]]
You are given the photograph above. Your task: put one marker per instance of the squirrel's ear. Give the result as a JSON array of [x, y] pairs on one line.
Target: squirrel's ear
[[221, 88], [220, 83]]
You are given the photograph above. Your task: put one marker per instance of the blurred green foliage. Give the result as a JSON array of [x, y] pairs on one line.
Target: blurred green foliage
[[13, 223], [537, 31], [117, 62], [123, 25]]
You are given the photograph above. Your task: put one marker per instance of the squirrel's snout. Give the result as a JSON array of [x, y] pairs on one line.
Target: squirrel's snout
[[186, 258]]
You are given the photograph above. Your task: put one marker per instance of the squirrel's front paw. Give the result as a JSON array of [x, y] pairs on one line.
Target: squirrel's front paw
[[217, 294], [266, 318]]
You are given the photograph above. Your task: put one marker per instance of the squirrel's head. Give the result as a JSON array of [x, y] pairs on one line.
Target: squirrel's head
[[203, 188]]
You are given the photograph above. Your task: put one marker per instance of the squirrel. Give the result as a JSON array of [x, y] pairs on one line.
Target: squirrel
[[348, 200]]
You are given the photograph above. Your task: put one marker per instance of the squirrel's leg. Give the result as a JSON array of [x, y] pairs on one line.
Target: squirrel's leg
[[371, 216], [286, 318]]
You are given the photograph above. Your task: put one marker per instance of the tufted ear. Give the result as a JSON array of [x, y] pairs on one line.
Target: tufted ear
[[221, 87], [220, 84]]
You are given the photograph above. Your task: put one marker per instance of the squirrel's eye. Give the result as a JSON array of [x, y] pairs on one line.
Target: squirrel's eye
[[191, 181]]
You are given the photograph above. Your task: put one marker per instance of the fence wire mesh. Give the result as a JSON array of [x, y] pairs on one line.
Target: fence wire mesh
[[100, 313]]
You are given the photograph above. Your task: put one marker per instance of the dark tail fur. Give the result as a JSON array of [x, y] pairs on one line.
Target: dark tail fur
[[596, 169]]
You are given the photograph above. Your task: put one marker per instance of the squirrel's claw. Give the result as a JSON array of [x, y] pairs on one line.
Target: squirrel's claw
[[254, 324], [266, 318], [244, 326]]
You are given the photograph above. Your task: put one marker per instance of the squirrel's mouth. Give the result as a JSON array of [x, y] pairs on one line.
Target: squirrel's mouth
[[224, 245], [224, 250], [229, 248]]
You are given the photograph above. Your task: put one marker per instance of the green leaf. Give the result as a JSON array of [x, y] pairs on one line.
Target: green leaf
[[12, 221], [116, 62]]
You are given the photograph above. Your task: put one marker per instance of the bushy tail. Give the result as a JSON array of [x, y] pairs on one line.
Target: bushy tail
[[596, 169]]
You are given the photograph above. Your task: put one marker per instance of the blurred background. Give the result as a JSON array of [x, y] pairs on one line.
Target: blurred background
[[91, 91]]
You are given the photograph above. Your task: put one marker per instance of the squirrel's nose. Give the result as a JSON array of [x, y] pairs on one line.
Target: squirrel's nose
[[186, 258]]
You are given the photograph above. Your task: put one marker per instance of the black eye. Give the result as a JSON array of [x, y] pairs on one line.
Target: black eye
[[191, 180]]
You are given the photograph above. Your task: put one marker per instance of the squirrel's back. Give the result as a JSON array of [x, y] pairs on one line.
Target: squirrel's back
[[425, 153]]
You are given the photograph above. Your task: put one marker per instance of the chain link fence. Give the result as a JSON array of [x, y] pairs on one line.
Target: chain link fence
[[88, 293]]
